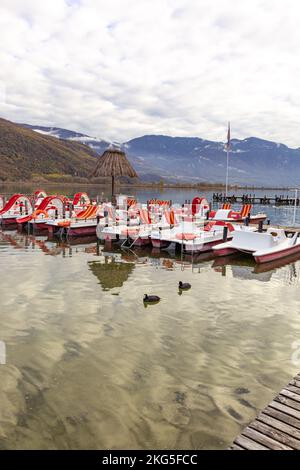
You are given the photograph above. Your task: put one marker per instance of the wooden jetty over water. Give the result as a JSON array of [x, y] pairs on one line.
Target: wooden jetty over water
[[287, 230], [277, 200], [277, 427]]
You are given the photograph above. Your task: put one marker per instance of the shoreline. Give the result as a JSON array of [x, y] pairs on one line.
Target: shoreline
[[157, 186]]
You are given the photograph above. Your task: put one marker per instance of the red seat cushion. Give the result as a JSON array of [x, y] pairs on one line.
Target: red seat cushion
[[185, 236]]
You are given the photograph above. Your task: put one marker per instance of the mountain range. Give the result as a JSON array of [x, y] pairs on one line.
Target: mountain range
[[253, 161]]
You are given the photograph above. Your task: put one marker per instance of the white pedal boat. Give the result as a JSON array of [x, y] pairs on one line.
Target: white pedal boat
[[136, 228], [230, 216], [263, 246], [195, 240]]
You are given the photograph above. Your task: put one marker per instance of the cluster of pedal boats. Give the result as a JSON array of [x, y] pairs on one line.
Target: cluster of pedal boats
[[191, 227]]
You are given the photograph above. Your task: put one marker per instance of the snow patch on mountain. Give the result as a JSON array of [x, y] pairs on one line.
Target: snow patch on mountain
[[50, 133], [85, 139]]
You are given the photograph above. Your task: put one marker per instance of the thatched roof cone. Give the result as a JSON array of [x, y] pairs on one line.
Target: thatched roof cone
[[113, 162]]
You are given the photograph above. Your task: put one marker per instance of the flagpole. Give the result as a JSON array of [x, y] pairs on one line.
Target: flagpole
[[226, 190], [227, 163]]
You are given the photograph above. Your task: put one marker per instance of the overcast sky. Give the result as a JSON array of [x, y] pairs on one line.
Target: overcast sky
[[119, 69]]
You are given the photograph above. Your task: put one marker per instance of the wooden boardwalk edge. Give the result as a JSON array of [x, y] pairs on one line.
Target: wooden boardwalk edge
[[277, 427]]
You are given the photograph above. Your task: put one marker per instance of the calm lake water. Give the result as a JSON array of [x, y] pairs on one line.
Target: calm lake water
[[88, 366]]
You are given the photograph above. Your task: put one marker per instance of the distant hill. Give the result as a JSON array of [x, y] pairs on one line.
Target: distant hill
[[25, 154], [253, 161]]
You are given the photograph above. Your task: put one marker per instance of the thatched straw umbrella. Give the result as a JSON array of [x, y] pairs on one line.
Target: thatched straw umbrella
[[114, 163]]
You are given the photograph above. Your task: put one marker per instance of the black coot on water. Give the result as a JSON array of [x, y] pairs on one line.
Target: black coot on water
[[151, 299], [184, 285]]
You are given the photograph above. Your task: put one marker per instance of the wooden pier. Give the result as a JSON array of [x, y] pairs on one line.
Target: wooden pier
[[277, 427], [277, 200], [287, 230]]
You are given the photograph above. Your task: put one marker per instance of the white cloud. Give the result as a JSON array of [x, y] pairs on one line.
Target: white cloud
[[124, 68]]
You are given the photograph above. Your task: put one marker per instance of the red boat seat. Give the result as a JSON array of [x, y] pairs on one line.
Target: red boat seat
[[218, 223], [186, 236]]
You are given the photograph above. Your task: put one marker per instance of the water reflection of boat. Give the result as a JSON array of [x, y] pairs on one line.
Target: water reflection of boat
[[163, 259], [12, 240], [234, 260], [86, 241], [241, 268], [247, 263], [199, 257], [272, 265], [20, 240]]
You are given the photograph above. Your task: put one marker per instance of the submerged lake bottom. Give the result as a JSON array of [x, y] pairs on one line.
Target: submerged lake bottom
[[90, 366]]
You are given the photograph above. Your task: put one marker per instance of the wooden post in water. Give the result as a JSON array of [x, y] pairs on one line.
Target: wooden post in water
[[106, 218], [295, 207]]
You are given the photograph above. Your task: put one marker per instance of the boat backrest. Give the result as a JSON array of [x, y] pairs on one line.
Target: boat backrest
[[246, 210], [253, 241], [145, 217], [89, 212], [222, 214], [169, 218], [185, 227], [226, 205], [110, 211]]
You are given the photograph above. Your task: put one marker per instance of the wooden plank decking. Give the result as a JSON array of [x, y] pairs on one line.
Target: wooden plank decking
[[280, 200], [284, 227], [277, 427]]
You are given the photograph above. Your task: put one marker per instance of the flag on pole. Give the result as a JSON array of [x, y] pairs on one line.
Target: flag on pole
[[228, 138]]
